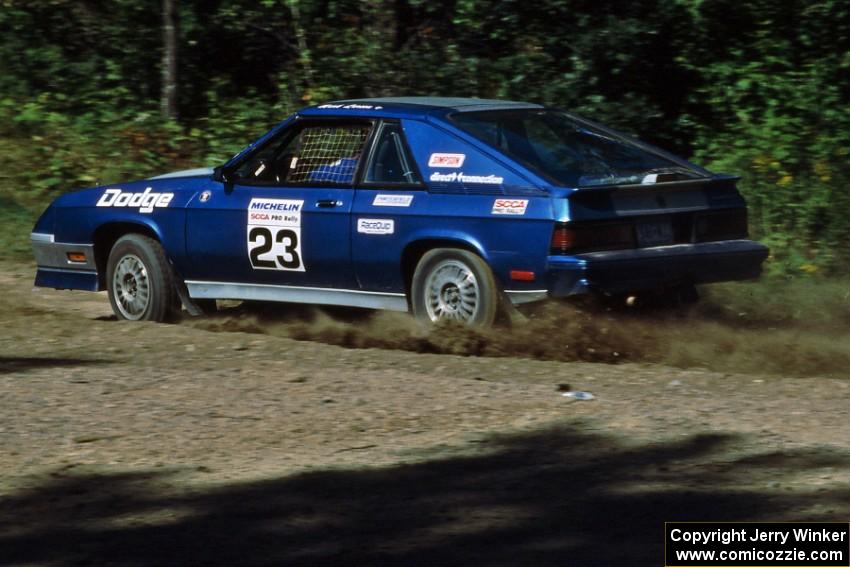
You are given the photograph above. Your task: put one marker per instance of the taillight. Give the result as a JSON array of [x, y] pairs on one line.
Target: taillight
[[683, 228], [729, 224], [568, 239]]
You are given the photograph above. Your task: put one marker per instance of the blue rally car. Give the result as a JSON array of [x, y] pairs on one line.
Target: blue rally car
[[446, 207]]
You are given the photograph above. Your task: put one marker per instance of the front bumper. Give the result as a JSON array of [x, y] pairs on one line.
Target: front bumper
[[56, 270], [621, 271]]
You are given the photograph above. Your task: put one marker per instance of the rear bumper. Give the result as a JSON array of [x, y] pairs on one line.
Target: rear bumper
[[56, 270], [622, 271]]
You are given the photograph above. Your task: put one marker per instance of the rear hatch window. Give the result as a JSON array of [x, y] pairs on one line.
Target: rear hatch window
[[571, 152]]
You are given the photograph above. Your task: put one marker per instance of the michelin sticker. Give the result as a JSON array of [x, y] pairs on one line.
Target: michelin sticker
[[455, 177], [146, 200], [446, 160], [509, 206], [375, 226], [392, 200], [274, 234]]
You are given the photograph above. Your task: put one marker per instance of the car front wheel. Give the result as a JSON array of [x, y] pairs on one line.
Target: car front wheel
[[139, 280], [454, 285]]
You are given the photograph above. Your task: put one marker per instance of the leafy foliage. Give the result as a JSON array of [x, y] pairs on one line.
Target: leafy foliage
[[756, 88]]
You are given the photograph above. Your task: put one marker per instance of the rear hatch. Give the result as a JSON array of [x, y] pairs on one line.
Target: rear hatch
[[647, 215], [612, 191]]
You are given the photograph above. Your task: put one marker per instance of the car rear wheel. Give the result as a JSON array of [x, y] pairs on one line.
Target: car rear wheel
[[454, 285], [139, 280]]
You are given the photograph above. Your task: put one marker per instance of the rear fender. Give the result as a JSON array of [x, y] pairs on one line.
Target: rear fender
[[421, 242]]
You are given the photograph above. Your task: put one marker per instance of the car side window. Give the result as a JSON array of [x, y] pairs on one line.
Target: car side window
[[324, 154], [391, 162]]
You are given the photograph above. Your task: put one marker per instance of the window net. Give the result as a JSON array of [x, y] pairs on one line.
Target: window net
[[328, 154]]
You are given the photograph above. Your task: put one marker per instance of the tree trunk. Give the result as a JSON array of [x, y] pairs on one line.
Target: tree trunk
[[304, 56], [168, 99]]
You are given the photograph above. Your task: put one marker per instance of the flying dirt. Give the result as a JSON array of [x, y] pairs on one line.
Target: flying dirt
[[726, 332]]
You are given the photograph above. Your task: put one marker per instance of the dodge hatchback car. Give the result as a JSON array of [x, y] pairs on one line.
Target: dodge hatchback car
[[444, 207]]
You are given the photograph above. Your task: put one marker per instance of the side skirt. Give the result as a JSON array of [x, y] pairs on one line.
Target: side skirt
[[297, 294]]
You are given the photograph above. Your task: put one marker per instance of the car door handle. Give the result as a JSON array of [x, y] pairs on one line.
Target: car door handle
[[328, 203]]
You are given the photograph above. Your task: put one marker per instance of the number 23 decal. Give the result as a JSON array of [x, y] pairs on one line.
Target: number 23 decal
[[275, 248]]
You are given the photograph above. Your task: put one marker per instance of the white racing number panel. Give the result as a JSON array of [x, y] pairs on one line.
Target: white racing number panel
[[274, 234]]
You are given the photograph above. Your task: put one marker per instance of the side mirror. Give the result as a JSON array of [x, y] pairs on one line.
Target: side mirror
[[224, 176], [221, 175]]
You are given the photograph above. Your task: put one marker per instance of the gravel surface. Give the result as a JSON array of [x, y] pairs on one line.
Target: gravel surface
[[139, 443]]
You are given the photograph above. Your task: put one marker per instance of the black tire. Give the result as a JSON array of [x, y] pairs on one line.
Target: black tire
[[140, 281], [442, 288]]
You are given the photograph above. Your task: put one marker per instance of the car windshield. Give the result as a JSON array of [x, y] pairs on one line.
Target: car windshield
[[569, 151]]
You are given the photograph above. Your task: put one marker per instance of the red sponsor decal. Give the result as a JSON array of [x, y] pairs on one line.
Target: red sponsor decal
[[509, 206], [446, 160], [502, 203]]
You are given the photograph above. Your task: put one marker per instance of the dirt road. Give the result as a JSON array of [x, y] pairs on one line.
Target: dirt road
[[136, 443]]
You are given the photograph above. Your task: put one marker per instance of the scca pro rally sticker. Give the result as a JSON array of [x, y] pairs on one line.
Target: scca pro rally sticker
[[509, 206], [274, 234], [146, 200], [375, 226]]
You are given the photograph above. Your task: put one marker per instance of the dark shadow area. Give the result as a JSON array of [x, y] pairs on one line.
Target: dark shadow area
[[557, 497], [295, 312], [9, 364]]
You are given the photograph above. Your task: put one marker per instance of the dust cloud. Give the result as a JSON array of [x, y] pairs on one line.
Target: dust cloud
[[781, 328]]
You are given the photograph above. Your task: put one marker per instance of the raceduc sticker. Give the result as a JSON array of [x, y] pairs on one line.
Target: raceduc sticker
[[446, 160], [392, 200], [509, 206], [375, 226], [146, 200], [274, 234]]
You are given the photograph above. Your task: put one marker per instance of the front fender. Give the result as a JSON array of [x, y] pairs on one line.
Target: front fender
[[95, 218]]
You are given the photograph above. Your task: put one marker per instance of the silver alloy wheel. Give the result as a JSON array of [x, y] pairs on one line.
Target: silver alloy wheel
[[131, 287], [451, 292]]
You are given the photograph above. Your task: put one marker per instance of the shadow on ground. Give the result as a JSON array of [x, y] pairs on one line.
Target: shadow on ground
[[557, 497]]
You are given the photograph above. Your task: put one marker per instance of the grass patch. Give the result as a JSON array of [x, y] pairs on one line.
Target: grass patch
[[809, 303], [16, 222]]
